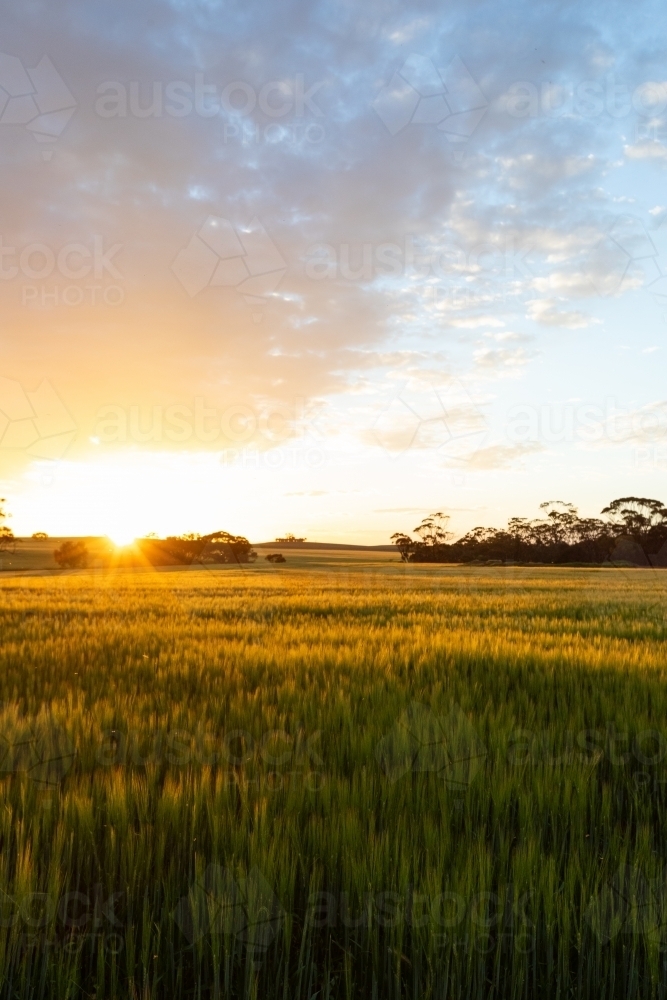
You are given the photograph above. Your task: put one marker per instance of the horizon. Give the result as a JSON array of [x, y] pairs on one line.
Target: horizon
[[632, 516]]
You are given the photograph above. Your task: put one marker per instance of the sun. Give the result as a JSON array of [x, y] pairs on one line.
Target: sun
[[121, 538]]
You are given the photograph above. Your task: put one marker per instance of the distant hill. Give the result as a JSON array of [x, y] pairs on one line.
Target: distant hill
[[292, 546]]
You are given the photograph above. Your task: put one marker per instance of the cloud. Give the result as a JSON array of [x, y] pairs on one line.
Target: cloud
[[642, 425], [503, 360], [572, 284], [501, 456], [400, 510], [646, 151], [547, 313], [474, 322], [510, 336]]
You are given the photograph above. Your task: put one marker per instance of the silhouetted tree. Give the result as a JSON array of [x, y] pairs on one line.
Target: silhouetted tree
[[184, 550], [432, 530], [641, 518], [221, 547], [405, 545], [72, 555], [7, 540], [561, 536]]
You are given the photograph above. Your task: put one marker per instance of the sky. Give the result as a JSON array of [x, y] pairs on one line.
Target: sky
[[328, 267]]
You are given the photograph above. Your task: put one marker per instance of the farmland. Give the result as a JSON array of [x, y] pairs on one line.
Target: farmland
[[343, 778]]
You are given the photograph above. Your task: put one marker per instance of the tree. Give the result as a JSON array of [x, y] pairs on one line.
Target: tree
[[275, 557], [404, 544], [221, 547], [184, 550], [7, 540], [72, 555], [640, 520], [638, 515], [432, 530], [39, 535], [557, 538], [432, 540], [289, 539]]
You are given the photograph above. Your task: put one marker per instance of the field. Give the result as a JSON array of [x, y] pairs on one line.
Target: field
[[341, 777]]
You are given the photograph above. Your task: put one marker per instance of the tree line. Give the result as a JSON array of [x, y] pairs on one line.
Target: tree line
[[630, 530], [176, 550], [216, 547]]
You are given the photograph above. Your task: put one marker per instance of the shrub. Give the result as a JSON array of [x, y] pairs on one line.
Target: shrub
[[72, 555]]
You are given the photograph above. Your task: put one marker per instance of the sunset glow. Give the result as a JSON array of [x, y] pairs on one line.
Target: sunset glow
[[300, 300], [122, 538]]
